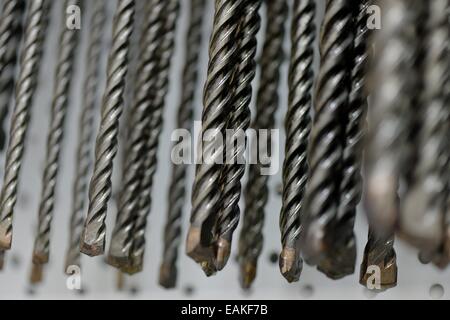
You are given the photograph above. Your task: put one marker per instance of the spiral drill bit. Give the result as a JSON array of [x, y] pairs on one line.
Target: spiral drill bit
[[206, 196], [140, 117], [341, 260], [298, 128], [10, 36], [93, 237], [327, 137], [256, 190], [30, 61], [83, 163], [159, 93], [425, 207], [239, 121], [177, 190]]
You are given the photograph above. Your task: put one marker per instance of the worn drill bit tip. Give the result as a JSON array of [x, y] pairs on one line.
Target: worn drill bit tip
[[194, 247], [386, 279], [168, 276], [133, 267], [37, 271], [40, 257], [119, 262], [291, 264], [223, 253], [248, 274], [340, 263], [209, 268], [90, 245]]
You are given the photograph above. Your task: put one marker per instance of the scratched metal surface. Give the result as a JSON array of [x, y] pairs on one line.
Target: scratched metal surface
[[99, 280]]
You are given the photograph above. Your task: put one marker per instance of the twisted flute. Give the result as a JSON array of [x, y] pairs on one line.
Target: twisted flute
[[206, 197], [341, 261], [238, 121], [298, 128], [140, 117], [177, 190], [11, 26], [30, 60], [86, 132], [327, 137], [257, 191], [93, 237], [159, 93]]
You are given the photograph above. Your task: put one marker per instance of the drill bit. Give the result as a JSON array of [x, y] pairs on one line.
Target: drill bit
[[341, 260], [327, 136], [177, 190], [298, 128], [68, 43], [238, 122], [30, 61], [10, 36], [257, 191], [159, 93], [206, 196], [140, 117], [83, 164], [93, 237]]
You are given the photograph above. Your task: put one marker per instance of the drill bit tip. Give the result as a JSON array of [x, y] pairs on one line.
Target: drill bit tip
[[387, 277], [36, 276], [194, 247], [90, 245], [168, 276], [40, 257], [117, 261], [133, 268], [340, 264], [248, 274], [5, 235], [291, 264], [209, 268], [223, 253]]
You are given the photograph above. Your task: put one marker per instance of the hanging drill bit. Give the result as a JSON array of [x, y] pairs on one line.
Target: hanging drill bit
[[10, 38], [93, 237], [298, 128], [83, 164], [238, 122], [177, 191], [140, 117], [341, 260], [206, 195], [327, 137], [256, 190], [30, 61]]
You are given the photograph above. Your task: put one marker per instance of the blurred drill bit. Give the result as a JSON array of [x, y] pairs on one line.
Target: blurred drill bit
[[206, 196], [185, 113], [328, 133], [298, 129], [341, 260], [238, 121], [140, 117], [256, 190], [423, 214], [158, 93], [93, 237], [11, 25], [83, 163], [37, 18], [68, 44]]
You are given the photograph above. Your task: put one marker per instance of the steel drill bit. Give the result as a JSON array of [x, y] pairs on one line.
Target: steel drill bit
[[140, 117], [239, 121], [177, 190], [93, 237], [327, 137], [31, 56], [68, 43], [11, 25], [159, 93], [341, 260], [423, 214], [206, 197], [298, 128], [85, 146], [257, 190]]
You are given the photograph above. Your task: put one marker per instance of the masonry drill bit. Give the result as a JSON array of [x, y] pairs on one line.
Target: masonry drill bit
[[36, 25], [68, 43], [177, 190], [83, 164], [341, 260], [298, 128], [11, 24], [424, 210], [159, 93], [206, 197], [327, 137], [93, 237], [267, 104], [239, 121], [140, 117]]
